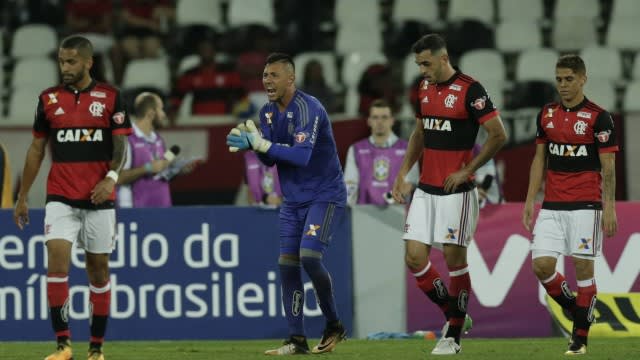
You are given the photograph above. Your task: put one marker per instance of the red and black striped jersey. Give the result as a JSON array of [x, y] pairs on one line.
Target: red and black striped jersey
[[451, 113], [574, 138], [80, 126]]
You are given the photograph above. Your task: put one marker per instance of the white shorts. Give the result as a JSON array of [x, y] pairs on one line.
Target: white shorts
[[568, 232], [442, 219], [91, 230]]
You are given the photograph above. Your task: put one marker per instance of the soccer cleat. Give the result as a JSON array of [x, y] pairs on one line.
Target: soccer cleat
[[576, 348], [466, 327], [446, 346], [63, 352], [331, 336], [95, 354], [291, 346]]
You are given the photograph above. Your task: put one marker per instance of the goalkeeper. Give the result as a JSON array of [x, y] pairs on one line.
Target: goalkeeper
[[295, 135]]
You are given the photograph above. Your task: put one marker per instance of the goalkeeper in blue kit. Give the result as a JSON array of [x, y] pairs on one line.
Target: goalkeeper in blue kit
[[295, 135]]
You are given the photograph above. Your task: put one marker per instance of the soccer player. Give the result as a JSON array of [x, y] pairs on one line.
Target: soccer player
[[373, 163], [295, 134], [444, 209], [575, 154], [87, 126]]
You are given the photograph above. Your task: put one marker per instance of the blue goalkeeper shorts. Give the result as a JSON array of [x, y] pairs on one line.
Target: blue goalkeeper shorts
[[308, 227]]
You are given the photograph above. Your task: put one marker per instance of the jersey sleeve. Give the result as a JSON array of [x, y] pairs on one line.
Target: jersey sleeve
[[541, 136], [308, 120], [120, 123], [604, 133], [41, 126], [479, 104]]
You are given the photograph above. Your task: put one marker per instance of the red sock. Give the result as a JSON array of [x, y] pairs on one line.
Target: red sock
[[58, 296], [100, 298], [431, 284], [558, 289], [459, 292], [585, 304]]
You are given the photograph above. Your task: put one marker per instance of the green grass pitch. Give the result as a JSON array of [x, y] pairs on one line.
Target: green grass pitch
[[490, 349]]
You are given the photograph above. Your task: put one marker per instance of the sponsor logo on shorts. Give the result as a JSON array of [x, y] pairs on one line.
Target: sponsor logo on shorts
[[585, 244], [312, 230]]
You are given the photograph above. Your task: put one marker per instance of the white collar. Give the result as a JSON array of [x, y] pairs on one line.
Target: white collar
[[391, 140], [139, 133]]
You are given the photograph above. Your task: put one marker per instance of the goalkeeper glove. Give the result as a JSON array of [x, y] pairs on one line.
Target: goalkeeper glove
[[237, 139], [257, 142]]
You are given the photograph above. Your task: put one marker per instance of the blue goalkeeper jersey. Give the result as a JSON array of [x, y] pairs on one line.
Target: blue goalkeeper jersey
[[304, 151]]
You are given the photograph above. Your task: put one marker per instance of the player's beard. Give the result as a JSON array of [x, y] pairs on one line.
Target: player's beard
[[73, 79]]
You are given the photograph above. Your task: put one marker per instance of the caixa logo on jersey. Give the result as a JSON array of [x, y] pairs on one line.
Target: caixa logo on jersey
[[79, 135], [436, 124], [567, 150]]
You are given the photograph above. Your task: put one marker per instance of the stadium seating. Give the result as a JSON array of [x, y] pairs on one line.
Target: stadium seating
[[34, 73], [602, 93], [479, 10], [536, 64], [625, 10], [356, 63], [199, 12], [251, 12], [424, 11], [359, 26], [475, 63], [514, 36], [623, 35], [635, 71], [33, 41], [573, 33], [22, 105], [410, 70], [147, 73], [595, 55], [362, 39], [589, 9], [514, 11], [631, 101]]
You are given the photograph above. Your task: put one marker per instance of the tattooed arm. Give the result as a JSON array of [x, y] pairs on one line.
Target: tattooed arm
[[609, 220], [119, 153], [103, 190]]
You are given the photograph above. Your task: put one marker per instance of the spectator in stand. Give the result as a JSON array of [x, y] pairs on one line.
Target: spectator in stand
[[216, 88], [89, 16], [250, 63], [377, 83], [314, 83], [144, 23]]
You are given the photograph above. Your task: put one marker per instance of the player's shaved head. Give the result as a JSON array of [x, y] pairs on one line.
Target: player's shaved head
[[81, 44], [282, 58], [432, 42]]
